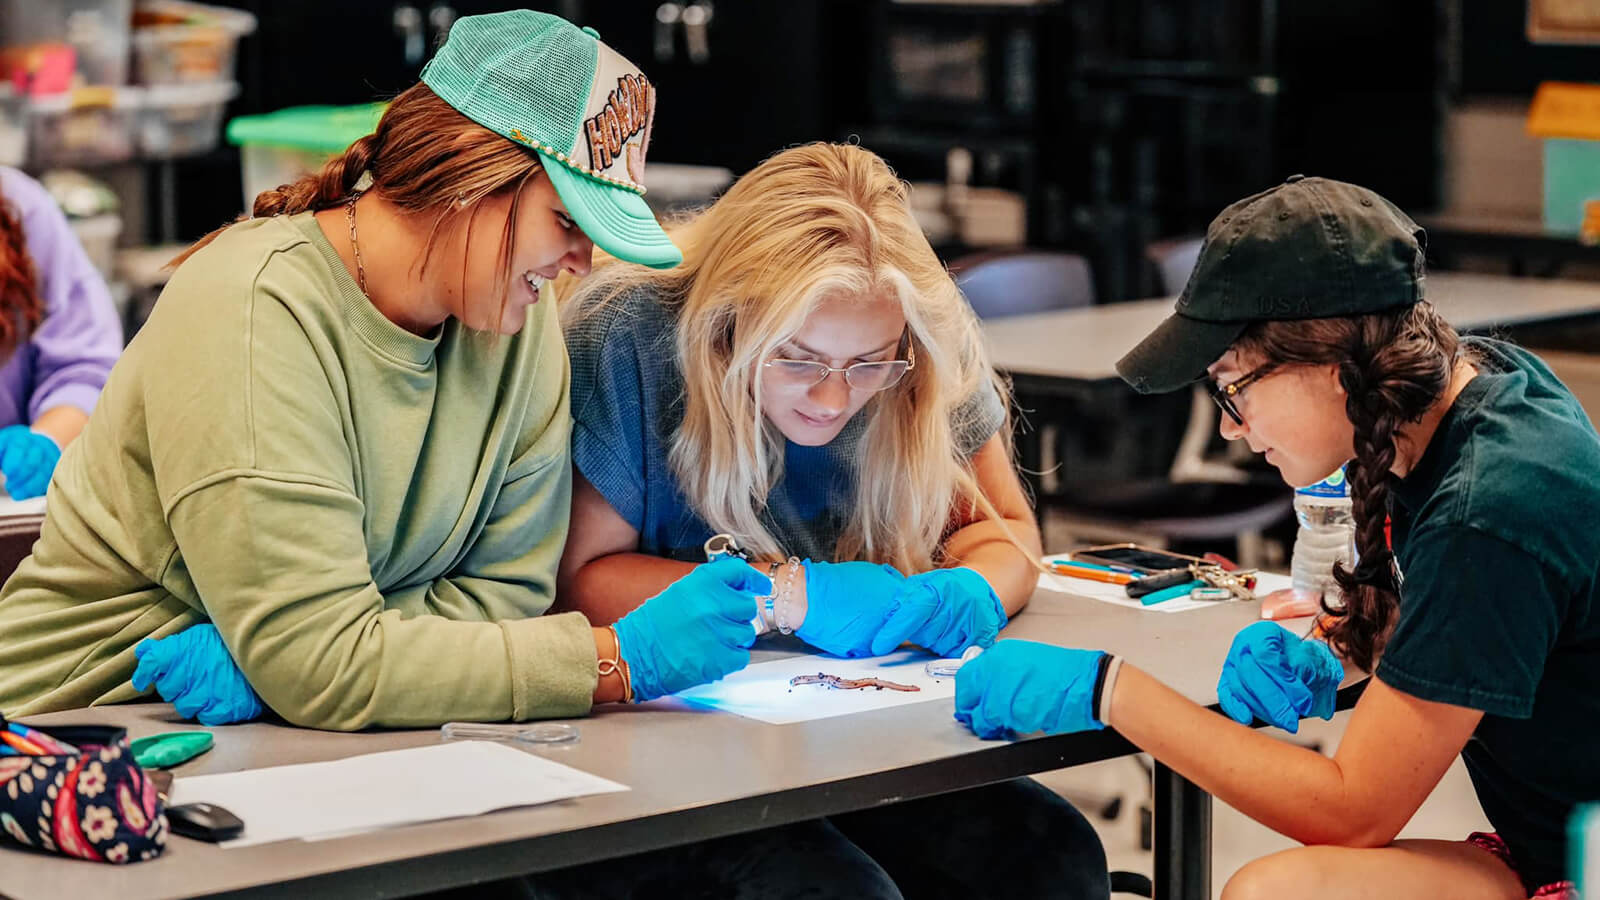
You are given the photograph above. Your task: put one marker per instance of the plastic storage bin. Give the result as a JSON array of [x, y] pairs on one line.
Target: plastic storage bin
[[278, 147], [97, 30], [182, 119], [1571, 179], [1567, 116], [184, 43], [83, 127]]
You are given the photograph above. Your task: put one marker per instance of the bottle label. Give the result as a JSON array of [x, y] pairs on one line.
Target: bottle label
[[1334, 485]]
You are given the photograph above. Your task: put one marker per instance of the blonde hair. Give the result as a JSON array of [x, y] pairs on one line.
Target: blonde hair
[[811, 223]]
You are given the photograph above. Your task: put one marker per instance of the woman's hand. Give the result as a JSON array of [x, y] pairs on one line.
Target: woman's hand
[[945, 611], [695, 631]]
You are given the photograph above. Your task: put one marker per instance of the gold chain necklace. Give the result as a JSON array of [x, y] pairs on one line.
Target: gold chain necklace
[[350, 217]]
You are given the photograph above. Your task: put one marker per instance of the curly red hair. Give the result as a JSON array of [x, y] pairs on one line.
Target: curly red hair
[[21, 308]]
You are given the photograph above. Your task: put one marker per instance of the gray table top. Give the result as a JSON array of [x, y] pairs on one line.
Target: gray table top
[[694, 774], [1085, 344]]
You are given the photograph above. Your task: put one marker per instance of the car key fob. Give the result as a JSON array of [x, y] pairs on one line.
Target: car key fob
[[204, 822]]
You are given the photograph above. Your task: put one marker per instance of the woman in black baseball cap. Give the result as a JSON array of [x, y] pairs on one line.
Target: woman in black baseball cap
[[1475, 601]]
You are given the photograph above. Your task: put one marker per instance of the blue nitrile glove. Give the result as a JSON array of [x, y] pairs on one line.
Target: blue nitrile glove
[[1273, 675], [945, 611], [26, 459], [1023, 687], [193, 671], [847, 604], [695, 631]]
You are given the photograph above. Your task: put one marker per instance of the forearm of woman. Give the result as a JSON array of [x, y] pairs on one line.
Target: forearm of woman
[[985, 547], [1292, 790], [61, 424], [1394, 752], [609, 587], [1004, 550]]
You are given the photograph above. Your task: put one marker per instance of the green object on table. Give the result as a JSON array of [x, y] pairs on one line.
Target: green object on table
[[163, 751]]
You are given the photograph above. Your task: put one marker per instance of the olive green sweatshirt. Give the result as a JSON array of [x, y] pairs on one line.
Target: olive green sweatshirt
[[372, 519]]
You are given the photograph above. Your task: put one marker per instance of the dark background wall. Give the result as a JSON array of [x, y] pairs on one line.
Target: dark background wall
[[1138, 119]]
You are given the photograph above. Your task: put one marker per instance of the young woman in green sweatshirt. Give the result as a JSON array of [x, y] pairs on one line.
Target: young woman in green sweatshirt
[[340, 445]]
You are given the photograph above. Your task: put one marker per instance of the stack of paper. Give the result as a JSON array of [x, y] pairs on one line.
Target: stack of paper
[[381, 790]]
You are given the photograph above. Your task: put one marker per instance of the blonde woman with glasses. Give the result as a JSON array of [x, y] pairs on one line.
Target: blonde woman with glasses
[[811, 383]]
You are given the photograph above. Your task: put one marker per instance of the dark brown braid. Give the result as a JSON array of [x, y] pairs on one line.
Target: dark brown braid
[[1393, 367], [321, 190], [21, 307]]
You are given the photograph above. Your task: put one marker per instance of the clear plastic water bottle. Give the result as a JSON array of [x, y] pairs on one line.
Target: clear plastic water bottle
[[1326, 536]]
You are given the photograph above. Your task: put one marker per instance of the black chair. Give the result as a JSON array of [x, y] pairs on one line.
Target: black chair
[[1118, 465]]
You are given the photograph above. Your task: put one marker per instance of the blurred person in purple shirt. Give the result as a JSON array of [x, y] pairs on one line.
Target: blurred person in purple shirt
[[59, 335]]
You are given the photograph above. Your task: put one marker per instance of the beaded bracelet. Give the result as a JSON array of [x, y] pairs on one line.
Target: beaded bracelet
[[791, 572]]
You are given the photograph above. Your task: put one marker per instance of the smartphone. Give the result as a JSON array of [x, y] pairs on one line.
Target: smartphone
[[1134, 556]]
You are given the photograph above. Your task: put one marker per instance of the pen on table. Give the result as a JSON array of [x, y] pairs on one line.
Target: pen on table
[[1104, 567], [1074, 569]]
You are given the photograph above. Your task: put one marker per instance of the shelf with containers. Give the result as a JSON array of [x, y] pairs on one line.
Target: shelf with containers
[[68, 63], [119, 88]]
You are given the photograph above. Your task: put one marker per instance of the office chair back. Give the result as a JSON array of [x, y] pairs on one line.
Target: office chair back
[[1013, 283]]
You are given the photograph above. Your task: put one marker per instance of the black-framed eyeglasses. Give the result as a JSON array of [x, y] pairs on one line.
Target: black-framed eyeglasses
[[864, 376], [1223, 394]]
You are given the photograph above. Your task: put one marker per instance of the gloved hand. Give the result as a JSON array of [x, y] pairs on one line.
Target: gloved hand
[[1023, 687], [695, 631], [945, 611], [193, 671], [847, 604], [26, 459], [1275, 676]]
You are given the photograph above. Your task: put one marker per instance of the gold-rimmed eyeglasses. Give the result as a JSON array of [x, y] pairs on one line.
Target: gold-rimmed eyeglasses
[[863, 376]]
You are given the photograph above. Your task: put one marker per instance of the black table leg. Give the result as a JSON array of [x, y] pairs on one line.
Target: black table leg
[[1182, 838]]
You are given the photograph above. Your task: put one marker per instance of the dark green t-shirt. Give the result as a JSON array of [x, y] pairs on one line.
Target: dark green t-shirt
[[1496, 535]]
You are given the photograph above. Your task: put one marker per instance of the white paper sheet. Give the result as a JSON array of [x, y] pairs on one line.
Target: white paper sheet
[[1266, 583], [10, 507], [763, 692], [382, 790]]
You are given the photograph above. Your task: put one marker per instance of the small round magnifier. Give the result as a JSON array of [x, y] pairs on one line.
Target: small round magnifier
[[522, 733], [947, 668]]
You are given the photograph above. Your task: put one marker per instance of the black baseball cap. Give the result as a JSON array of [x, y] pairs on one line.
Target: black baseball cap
[[1310, 248]]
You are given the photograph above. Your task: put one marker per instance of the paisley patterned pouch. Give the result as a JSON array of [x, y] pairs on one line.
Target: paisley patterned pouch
[[95, 804]]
